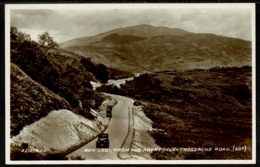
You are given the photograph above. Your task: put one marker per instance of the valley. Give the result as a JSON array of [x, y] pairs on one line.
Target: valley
[[195, 91]]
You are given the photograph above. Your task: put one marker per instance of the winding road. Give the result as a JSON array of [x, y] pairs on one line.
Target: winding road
[[118, 130]]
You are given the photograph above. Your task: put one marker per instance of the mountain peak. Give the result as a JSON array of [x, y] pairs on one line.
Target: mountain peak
[[145, 25], [145, 30], [142, 30]]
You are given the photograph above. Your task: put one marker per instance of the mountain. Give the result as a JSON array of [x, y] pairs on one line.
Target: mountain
[[139, 30], [147, 48]]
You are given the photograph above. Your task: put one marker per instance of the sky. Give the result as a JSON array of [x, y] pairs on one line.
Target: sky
[[67, 24]]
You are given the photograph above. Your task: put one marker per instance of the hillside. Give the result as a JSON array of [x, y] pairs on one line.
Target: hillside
[[196, 108], [67, 130], [58, 133], [139, 30], [30, 100], [148, 49], [44, 79], [64, 73]]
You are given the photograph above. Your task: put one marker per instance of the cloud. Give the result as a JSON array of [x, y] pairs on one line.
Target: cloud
[[65, 24]]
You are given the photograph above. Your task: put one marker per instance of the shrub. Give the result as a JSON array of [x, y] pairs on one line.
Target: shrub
[[239, 91], [102, 73]]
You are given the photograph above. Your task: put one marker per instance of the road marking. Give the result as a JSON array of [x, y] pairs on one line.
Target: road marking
[[129, 137]]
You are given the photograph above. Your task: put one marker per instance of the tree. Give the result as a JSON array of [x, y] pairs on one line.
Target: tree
[[46, 41], [102, 73], [19, 39]]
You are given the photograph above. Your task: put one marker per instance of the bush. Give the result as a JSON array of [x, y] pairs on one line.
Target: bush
[[100, 71], [239, 91]]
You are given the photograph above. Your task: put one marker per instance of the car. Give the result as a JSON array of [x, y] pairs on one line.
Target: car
[[137, 103], [109, 108], [103, 141], [109, 111]]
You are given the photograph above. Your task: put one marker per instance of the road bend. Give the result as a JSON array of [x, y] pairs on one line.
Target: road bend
[[117, 129]]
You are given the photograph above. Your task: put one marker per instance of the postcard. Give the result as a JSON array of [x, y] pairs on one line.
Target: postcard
[[130, 83]]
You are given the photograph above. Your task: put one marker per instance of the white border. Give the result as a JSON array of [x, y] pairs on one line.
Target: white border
[[8, 8]]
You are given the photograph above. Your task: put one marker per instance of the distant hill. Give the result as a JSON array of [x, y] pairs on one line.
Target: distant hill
[[139, 30], [147, 48]]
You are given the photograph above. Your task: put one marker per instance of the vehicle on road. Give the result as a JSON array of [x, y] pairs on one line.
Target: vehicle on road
[[103, 141], [109, 111]]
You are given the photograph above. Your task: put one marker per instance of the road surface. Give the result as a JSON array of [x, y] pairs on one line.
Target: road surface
[[118, 82], [117, 129]]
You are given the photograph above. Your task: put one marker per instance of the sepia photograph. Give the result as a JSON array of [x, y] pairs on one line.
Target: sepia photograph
[[130, 83]]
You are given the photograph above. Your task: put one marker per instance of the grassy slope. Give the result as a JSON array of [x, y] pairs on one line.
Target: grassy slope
[[43, 80], [197, 108], [137, 54], [30, 101], [63, 73], [139, 30]]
